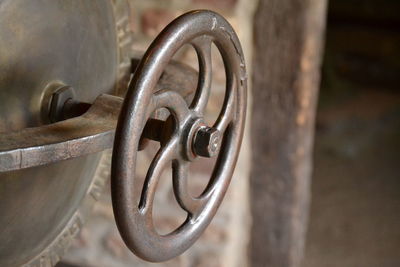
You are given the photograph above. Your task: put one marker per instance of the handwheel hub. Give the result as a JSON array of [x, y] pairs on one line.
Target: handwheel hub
[[201, 140]]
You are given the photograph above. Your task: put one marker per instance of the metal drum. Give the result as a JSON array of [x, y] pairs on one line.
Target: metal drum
[[43, 44]]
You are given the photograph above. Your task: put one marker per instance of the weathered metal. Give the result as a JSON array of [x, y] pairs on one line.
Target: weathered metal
[[89, 133], [41, 42], [63, 104], [133, 207], [207, 142], [33, 166]]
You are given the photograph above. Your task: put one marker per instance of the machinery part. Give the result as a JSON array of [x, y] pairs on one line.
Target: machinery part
[[30, 157], [63, 104], [190, 139], [89, 133], [207, 142], [46, 42]]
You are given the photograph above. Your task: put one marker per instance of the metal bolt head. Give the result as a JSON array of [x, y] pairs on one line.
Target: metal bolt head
[[207, 142], [58, 99]]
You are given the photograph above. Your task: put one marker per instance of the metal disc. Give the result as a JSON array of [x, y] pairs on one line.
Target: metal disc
[[43, 42]]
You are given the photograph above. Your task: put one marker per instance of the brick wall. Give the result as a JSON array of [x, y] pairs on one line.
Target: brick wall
[[224, 242]]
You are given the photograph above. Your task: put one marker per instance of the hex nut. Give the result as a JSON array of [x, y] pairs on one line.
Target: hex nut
[[57, 102], [207, 142]]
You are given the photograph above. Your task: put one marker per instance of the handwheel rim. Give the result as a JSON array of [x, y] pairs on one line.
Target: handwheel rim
[[133, 218]]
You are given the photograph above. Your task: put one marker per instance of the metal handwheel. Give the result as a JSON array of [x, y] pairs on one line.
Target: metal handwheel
[[191, 137]]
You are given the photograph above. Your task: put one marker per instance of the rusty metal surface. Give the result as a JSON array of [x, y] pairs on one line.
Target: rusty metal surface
[[132, 201], [89, 133], [76, 137]]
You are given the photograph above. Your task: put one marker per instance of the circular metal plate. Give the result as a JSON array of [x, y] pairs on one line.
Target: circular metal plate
[[45, 41]]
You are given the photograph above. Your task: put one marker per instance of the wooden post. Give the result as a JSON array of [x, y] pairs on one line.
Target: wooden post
[[287, 55]]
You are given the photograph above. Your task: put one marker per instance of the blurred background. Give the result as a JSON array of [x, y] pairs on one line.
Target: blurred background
[[356, 182], [355, 206]]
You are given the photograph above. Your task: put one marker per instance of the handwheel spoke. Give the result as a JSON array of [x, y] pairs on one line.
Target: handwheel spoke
[[203, 49], [227, 112], [180, 170], [164, 156], [173, 102]]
